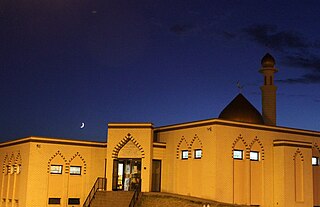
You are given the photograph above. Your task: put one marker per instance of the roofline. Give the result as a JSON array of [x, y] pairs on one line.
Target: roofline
[[216, 121], [130, 125], [49, 140]]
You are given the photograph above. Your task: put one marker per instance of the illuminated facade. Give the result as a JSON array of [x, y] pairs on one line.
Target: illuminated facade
[[240, 157]]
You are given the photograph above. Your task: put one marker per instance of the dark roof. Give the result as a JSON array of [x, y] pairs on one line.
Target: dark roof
[[240, 109], [268, 61]]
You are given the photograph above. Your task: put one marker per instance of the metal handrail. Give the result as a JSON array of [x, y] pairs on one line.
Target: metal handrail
[[100, 184], [136, 193]]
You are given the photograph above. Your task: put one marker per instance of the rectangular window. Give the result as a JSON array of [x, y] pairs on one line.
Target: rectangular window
[[74, 201], [197, 154], [315, 161], [56, 169], [254, 156], [75, 170], [184, 154], [54, 200], [237, 154]]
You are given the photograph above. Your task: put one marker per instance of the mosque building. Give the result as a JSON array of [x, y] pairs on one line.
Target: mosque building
[[241, 157]]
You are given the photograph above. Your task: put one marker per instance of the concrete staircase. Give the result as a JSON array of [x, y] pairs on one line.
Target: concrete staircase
[[112, 199]]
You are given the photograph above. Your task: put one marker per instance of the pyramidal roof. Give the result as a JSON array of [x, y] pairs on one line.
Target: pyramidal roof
[[240, 109]]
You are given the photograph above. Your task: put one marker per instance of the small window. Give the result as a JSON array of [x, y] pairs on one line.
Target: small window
[[56, 169], [9, 169], [17, 169], [237, 154], [254, 156], [197, 154], [54, 200], [315, 161], [74, 201], [184, 154], [75, 170]]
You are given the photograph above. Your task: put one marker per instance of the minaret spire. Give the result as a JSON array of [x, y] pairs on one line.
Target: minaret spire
[[268, 90]]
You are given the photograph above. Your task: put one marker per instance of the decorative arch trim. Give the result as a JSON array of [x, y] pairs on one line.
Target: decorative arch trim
[[195, 138], [11, 160], [11, 164], [18, 159], [82, 159], [316, 146], [4, 165], [183, 139], [298, 152], [247, 150], [123, 142], [58, 153], [257, 140]]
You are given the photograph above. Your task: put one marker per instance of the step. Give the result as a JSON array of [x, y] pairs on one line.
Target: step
[[112, 199]]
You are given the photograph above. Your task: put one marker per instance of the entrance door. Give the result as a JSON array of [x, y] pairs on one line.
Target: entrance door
[[128, 174], [156, 175]]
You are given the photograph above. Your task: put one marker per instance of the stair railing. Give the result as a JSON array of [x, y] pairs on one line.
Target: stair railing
[[99, 185], [136, 193]]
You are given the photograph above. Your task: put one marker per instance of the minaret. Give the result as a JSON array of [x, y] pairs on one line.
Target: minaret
[[268, 90]]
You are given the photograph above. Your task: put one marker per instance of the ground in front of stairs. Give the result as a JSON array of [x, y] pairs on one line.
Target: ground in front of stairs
[[170, 200]]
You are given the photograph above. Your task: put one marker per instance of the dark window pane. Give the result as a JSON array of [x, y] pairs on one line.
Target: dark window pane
[[54, 200], [75, 201]]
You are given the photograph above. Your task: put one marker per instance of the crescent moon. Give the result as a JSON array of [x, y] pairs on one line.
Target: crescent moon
[[82, 125]]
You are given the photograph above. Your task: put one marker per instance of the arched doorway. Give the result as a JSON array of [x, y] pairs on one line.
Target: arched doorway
[[127, 163]]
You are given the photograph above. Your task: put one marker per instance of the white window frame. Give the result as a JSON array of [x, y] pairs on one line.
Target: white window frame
[[75, 172], [237, 152], [254, 156], [184, 154], [56, 169], [316, 159], [197, 153]]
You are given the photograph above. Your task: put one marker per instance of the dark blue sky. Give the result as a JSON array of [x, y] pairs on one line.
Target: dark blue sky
[[67, 62]]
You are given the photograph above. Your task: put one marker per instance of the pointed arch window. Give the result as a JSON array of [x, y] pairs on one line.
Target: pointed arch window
[[184, 154], [75, 170], [197, 153], [265, 80], [56, 169], [238, 154], [315, 161], [254, 156]]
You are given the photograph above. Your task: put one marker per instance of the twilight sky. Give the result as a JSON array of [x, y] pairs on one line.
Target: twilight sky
[[65, 62]]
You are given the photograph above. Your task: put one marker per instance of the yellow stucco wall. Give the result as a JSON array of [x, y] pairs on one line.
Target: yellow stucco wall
[[194, 177], [14, 184], [271, 181], [282, 177], [36, 185]]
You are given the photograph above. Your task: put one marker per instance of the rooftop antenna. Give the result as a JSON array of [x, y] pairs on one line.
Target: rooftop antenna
[[240, 87]]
